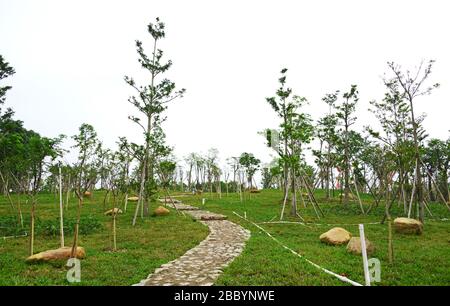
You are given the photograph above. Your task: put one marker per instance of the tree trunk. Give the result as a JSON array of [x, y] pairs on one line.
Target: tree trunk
[[294, 195], [33, 208], [418, 165], [141, 193], [77, 224]]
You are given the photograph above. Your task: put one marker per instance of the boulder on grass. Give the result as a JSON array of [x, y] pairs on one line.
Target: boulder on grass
[[115, 211], [133, 199], [408, 226], [354, 246], [87, 194], [255, 191], [61, 253], [336, 236], [161, 211]]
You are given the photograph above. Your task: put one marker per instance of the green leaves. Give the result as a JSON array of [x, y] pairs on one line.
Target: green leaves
[[24, 153], [250, 163], [157, 29], [296, 127], [5, 71], [345, 110]]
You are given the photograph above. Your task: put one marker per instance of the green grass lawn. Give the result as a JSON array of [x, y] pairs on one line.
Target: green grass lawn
[[152, 242], [419, 260]]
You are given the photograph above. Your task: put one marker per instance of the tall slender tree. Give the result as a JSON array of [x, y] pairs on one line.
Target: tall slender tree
[[345, 112], [411, 85], [87, 143], [151, 101], [296, 129]]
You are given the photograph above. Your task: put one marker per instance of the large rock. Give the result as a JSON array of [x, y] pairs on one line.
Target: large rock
[[87, 194], [115, 211], [61, 253], [133, 199], [354, 246], [161, 211], [255, 191], [408, 226], [212, 217], [336, 236], [169, 200]]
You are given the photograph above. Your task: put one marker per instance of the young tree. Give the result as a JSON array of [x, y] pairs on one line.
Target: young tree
[[151, 101], [411, 87], [271, 174], [328, 137], [125, 158], [190, 161], [393, 115], [345, 114], [437, 161], [283, 109], [251, 164], [212, 168], [87, 143], [296, 129], [200, 163], [37, 150], [233, 163], [166, 168]]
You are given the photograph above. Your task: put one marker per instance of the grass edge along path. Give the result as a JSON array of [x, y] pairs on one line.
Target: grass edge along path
[[340, 277]]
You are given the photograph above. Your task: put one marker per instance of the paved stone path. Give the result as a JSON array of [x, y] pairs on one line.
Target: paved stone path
[[203, 264]]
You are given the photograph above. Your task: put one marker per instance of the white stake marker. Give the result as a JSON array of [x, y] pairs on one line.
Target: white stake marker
[[203, 201], [61, 223], [364, 254]]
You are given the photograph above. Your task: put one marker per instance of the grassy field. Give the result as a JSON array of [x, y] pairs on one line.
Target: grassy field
[[154, 241], [419, 260]]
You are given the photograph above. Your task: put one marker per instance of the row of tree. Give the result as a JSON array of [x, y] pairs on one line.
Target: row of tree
[[394, 164]]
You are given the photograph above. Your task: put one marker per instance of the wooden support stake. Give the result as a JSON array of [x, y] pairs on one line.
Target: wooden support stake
[[436, 186], [357, 194], [390, 244], [61, 221], [412, 197], [114, 230]]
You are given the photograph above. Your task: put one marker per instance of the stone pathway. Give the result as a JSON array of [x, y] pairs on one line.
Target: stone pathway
[[202, 265]]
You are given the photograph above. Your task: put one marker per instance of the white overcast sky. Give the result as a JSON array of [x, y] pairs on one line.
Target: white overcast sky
[[71, 56]]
